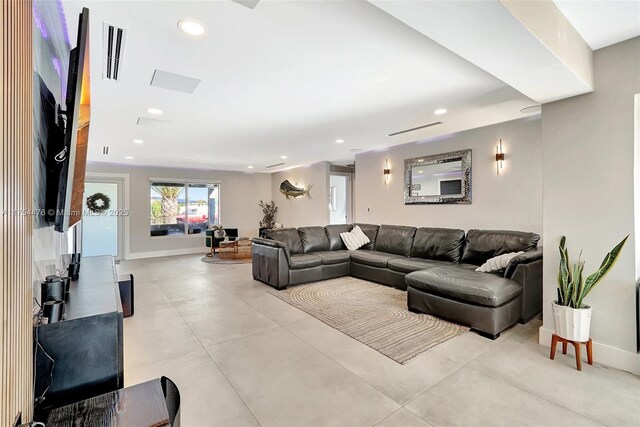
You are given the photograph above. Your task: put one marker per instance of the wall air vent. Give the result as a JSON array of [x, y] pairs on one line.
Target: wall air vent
[[415, 128], [113, 40], [247, 3], [273, 166], [105, 150]]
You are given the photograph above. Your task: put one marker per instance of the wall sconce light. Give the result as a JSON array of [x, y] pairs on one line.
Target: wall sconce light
[[499, 157], [386, 171]]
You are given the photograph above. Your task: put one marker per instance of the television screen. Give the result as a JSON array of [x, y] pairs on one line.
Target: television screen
[[78, 106]]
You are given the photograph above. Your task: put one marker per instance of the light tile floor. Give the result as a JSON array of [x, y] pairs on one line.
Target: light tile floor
[[242, 357]]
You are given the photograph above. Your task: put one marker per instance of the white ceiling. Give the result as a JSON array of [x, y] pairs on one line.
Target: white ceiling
[[286, 78], [602, 22], [290, 77]]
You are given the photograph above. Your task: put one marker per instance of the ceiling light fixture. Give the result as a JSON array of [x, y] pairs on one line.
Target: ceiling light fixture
[[339, 141], [129, 157], [249, 167], [283, 157], [533, 109], [440, 111], [192, 27], [138, 141], [155, 111]]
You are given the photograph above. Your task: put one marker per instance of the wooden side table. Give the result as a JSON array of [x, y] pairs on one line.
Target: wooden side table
[[576, 345], [228, 249]]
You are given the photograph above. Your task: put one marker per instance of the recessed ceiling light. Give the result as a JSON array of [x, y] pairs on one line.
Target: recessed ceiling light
[[339, 141], [283, 157], [420, 171], [129, 157], [192, 27], [154, 111], [138, 141], [532, 109], [440, 111], [249, 167]]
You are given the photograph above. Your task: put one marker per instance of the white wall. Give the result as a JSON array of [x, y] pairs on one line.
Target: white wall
[[588, 170], [512, 200], [240, 194], [303, 211]]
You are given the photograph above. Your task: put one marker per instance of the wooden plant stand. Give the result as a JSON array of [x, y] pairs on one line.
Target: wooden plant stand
[[576, 345]]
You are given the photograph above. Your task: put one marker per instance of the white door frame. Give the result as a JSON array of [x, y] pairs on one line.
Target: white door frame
[[349, 196], [122, 179]]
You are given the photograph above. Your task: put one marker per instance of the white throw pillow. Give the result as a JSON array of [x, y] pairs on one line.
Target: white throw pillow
[[497, 263], [354, 239]]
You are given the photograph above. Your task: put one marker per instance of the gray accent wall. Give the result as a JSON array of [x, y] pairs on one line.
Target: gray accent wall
[[511, 200], [588, 181], [239, 197]]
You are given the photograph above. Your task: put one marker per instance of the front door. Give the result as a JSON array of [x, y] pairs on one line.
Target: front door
[[102, 219]]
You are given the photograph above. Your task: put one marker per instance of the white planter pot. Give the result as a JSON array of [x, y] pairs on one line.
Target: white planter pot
[[572, 323]]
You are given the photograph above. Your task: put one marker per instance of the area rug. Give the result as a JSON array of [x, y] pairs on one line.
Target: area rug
[[216, 260], [375, 315]]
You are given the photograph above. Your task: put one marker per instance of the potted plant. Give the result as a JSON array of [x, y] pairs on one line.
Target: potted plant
[[572, 317], [218, 231], [269, 211]]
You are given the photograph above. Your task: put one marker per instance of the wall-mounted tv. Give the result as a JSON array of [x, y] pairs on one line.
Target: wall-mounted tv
[[76, 137]]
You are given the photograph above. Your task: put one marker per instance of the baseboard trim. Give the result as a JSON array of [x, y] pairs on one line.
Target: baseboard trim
[[172, 252], [602, 353]]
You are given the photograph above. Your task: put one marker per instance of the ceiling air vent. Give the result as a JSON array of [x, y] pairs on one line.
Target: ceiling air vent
[[105, 150], [113, 47], [415, 128], [273, 166]]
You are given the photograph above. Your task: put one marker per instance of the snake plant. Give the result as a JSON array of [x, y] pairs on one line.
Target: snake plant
[[572, 289]]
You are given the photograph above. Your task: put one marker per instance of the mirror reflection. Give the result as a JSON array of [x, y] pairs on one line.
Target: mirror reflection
[[437, 179]]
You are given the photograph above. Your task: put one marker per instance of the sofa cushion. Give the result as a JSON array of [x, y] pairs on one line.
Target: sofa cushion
[[299, 261], [484, 244], [443, 244], [408, 265], [465, 285], [313, 239], [333, 234], [372, 258], [334, 257], [371, 230], [289, 237], [395, 239]]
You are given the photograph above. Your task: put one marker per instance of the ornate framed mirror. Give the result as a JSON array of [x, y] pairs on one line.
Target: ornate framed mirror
[[438, 179]]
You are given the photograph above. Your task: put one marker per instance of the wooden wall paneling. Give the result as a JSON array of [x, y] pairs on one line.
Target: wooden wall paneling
[[16, 174]]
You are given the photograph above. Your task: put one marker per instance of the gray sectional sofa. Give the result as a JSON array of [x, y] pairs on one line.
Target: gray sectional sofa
[[436, 266]]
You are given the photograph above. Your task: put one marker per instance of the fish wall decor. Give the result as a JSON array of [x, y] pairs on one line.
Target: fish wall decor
[[290, 190]]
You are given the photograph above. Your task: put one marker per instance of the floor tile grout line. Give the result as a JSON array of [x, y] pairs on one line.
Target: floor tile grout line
[[340, 364], [378, 422], [504, 381], [218, 368]]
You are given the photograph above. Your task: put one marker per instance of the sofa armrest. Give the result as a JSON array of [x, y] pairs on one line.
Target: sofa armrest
[[526, 269], [270, 262], [272, 244], [524, 258]]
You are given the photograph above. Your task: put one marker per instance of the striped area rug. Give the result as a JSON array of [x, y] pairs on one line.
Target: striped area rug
[[375, 315]]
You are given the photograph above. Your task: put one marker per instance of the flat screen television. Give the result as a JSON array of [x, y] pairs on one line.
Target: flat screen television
[[76, 135]]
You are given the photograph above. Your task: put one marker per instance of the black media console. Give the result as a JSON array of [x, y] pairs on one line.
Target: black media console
[[87, 346]]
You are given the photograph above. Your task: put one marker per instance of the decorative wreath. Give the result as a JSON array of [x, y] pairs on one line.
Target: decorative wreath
[[98, 203]]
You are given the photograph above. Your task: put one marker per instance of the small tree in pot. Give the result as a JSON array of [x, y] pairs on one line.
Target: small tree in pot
[[269, 210], [572, 317]]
